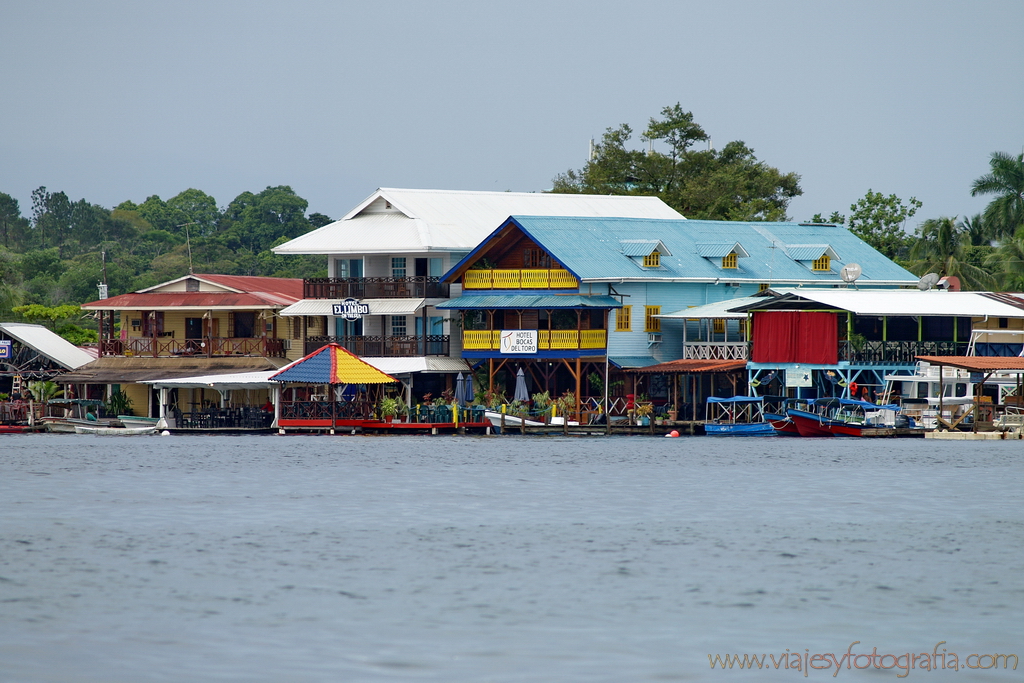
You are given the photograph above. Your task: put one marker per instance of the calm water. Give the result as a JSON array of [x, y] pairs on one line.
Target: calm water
[[500, 559]]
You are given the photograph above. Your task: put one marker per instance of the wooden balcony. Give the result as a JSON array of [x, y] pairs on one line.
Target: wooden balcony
[[216, 346], [547, 340], [503, 278], [900, 352], [374, 288], [366, 345]]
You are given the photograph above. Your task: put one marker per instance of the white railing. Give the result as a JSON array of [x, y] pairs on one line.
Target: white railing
[[715, 350]]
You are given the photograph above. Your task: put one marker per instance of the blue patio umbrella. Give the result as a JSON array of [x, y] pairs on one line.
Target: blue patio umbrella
[[469, 394], [460, 388], [521, 394]]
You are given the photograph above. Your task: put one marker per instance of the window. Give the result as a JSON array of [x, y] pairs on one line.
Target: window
[[823, 264], [623, 317], [536, 258], [652, 324], [397, 266], [398, 328], [719, 325], [653, 260], [763, 286], [730, 260]]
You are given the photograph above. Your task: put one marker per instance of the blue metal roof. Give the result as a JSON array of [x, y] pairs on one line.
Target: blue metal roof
[[591, 248], [518, 300]]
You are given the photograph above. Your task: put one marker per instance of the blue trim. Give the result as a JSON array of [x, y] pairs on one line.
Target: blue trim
[[566, 353]]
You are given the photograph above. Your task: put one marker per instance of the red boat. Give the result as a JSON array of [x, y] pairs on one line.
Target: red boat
[[842, 417]]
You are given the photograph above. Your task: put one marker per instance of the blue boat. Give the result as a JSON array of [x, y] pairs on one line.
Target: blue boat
[[737, 416]]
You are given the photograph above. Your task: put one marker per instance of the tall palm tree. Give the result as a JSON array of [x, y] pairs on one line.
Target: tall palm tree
[[1005, 213], [943, 247], [1008, 263]]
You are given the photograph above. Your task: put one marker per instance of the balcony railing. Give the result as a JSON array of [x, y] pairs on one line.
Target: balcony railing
[[716, 350], [216, 346], [430, 345], [417, 287], [904, 352], [547, 340], [502, 278]]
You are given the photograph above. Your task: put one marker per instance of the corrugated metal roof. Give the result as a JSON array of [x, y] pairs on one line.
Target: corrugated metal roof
[[590, 248], [522, 301], [45, 342], [642, 247], [810, 252], [120, 370], [977, 363], [688, 365], [165, 301], [377, 306], [237, 380], [719, 309], [428, 364], [632, 361], [906, 302], [720, 249], [448, 220]]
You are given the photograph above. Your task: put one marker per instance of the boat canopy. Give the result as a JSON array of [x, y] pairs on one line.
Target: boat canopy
[[736, 399], [831, 402]]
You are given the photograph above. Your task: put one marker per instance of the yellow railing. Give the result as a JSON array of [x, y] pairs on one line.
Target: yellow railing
[[547, 340], [593, 339], [510, 278]]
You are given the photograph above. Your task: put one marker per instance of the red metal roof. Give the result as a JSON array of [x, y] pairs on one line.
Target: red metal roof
[[254, 292], [977, 363], [691, 365]]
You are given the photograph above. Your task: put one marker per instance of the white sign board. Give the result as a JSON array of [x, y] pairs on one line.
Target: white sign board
[[799, 378], [519, 341], [350, 309], [5, 348]]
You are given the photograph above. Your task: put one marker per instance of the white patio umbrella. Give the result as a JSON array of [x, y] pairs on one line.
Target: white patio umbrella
[[521, 394]]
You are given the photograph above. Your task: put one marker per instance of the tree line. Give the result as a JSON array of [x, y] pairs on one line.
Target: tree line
[[58, 253], [985, 251]]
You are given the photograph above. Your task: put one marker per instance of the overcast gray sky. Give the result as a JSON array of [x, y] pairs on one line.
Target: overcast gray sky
[[112, 100]]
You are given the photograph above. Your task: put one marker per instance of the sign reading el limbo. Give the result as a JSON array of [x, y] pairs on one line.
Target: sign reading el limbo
[[519, 341], [350, 309]]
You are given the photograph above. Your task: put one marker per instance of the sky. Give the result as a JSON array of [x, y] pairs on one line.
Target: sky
[[119, 100]]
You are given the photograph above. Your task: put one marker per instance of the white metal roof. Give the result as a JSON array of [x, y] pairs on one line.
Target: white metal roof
[[453, 220], [377, 306], [404, 366], [237, 380], [907, 302], [719, 309], [51, 345]]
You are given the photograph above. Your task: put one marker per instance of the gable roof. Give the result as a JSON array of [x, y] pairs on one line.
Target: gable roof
[[590, 249], [233, 291], [393, 219]]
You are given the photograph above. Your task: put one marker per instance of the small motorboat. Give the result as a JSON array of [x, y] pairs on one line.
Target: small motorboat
[[843, 417], [115, 431], [737, 416]]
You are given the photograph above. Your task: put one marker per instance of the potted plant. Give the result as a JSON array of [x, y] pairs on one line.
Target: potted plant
[[388, 408], [673, 414], [643, 412], [566, 404]]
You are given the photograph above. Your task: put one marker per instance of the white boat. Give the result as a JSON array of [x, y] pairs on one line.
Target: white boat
[[516, 421], [115, 431], [136, 421]]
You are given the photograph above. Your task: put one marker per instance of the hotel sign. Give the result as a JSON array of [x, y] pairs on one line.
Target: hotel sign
[[5, 348], [519, 341], [350, 309]]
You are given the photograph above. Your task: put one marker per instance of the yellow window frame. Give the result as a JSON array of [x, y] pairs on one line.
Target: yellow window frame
[[623, 319], [730, 261], [653, 260], [652, 324], [822, 264]]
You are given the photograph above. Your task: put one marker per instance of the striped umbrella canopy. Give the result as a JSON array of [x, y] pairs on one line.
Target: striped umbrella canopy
[[332, 364]]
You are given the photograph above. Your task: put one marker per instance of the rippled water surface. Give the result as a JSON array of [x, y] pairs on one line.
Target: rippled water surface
[[314, 558]]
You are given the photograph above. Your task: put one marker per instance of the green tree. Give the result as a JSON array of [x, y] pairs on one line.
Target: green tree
[[881, 222], [943, 246], [1005, 213], [195, 207], [731, 184], [835, 219], [13, 227], [319, 220]]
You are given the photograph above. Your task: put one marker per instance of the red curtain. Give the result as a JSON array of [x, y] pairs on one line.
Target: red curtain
[[795, 337]]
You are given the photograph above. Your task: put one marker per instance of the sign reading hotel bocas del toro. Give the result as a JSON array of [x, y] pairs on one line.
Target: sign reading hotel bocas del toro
[[519, 341], [350, 309]]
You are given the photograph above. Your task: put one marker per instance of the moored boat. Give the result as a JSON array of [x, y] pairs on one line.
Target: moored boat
[[737, 416], [115, 431], [843, 417]]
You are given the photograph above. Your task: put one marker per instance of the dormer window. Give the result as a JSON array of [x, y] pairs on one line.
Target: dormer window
[[822, 264], [645, 253], [730, 261], [727, 254], [653, 260]]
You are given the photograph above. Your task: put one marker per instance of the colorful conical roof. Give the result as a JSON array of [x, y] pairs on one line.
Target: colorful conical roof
[[332, 364]]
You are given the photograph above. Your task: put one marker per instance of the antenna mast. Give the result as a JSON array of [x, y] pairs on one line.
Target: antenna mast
[[188, 243]]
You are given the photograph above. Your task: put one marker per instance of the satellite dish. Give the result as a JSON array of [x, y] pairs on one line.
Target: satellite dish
[[927, 281], [850, 272]]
